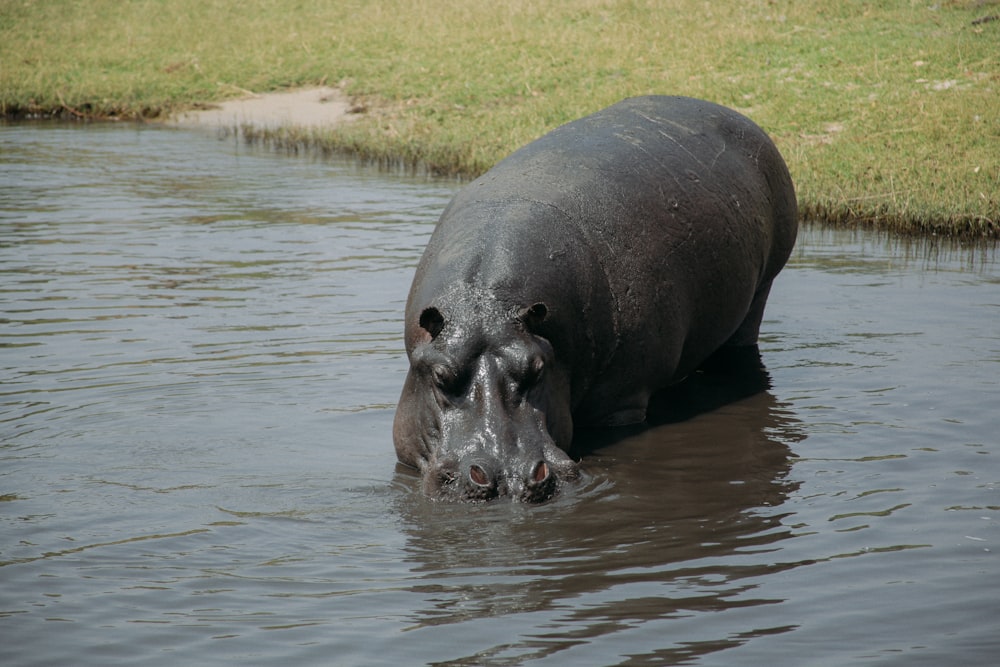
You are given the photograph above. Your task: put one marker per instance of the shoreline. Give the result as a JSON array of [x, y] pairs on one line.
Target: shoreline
[[308, 119], [885, 113], [321, 107]]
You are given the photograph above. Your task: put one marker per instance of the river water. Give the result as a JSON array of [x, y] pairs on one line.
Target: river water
[[200, 353]]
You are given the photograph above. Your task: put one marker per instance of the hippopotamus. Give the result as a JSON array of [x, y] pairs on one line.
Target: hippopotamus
[[589, 269]]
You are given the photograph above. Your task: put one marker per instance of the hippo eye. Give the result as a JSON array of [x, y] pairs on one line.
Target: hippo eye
[[446, 379], [536, 367], [533, 315], [442, 377]]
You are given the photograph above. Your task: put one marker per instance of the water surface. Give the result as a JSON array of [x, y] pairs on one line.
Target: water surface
[[200, 353]]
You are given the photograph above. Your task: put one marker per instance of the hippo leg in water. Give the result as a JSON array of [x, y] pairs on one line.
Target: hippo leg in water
[[600, 263]]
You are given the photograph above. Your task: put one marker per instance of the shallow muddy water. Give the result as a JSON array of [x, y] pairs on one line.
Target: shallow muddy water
[[200, 353]]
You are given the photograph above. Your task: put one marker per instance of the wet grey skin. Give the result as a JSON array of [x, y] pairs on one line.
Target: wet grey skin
[[598, 264]]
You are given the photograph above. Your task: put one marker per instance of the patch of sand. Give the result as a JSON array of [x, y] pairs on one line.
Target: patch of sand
[[310, 107]]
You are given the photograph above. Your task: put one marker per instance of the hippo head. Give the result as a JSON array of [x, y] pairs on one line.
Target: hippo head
[[485, 408]]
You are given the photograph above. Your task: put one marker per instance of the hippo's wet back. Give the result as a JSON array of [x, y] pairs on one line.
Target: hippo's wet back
[[589, 269]]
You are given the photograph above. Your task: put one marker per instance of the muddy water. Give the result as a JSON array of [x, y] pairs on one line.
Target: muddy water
[[199, 356]]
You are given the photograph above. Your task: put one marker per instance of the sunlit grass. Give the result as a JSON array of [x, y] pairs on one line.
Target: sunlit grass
[[887, 112]]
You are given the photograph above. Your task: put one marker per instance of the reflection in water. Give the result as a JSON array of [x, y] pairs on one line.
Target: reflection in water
[[656, 530], [864, 251]]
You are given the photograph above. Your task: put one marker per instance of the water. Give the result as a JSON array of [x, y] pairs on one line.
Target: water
[[200, 352]]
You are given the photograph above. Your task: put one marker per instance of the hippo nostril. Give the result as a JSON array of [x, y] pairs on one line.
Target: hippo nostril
[[540, 485], [541, 473], [478, 475]]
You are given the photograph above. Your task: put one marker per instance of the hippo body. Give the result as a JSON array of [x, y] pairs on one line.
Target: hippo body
[[602, 262]]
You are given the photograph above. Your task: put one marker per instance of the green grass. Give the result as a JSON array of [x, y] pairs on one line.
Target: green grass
[[888, 113]]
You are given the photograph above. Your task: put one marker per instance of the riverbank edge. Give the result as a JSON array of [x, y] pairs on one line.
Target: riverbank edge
[[308, 121]]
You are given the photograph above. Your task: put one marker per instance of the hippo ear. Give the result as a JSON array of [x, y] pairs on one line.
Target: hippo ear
[[432, 321], [533, 315]]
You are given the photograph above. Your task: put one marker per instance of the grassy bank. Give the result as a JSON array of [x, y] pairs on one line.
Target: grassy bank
[[888, 113]]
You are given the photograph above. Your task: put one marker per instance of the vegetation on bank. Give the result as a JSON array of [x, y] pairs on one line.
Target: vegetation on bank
[[888, 112]]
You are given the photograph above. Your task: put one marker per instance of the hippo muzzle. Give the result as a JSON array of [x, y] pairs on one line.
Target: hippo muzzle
[[479, 480]]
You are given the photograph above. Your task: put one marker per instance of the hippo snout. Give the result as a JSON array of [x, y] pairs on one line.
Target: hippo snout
[[533, 483], [481, 480]]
